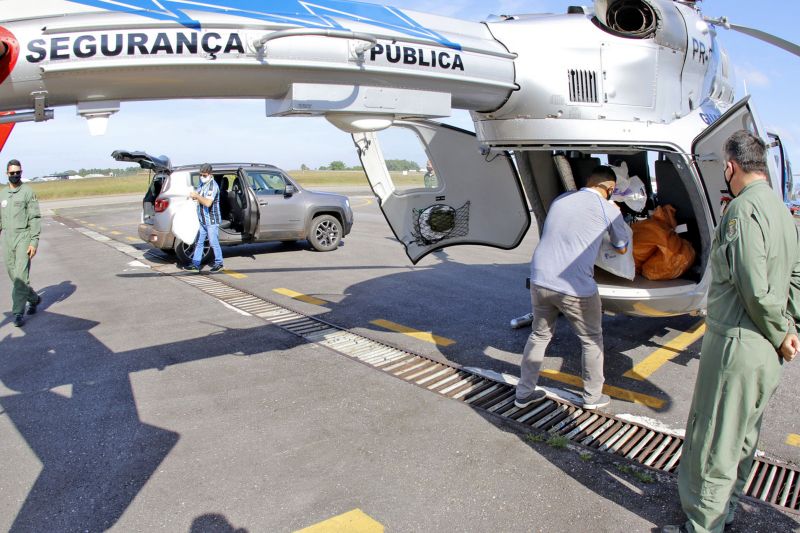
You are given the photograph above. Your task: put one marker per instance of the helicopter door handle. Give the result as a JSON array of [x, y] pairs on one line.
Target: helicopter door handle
[[262, 203]]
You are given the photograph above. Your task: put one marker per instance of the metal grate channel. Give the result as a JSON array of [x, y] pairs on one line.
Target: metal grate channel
[[771, 482]]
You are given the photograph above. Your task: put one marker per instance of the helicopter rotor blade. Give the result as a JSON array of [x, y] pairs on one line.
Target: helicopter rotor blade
[[774, 40]]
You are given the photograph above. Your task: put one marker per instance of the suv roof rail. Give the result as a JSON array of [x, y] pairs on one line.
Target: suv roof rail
[[233, 164]]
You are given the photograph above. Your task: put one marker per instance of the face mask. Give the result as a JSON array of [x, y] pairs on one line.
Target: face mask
[[14, 180], [728, 182], [205, 179]]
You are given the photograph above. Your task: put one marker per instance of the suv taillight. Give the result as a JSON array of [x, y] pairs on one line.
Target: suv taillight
[[161, 204]]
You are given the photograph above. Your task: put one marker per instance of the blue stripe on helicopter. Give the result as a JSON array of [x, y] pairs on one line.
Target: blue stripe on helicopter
[[316, 14]]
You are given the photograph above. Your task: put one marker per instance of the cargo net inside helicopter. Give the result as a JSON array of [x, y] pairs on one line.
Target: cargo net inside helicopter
[[438, 222]]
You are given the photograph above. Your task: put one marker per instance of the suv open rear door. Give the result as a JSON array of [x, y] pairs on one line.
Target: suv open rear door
[[477, 199], [251, 214]]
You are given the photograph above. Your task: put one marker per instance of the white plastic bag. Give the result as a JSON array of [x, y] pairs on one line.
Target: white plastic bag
[[185, 224], [621, 265], [629, 189]]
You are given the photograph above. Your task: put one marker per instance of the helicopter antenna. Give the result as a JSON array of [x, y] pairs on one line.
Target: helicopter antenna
[[774, 40]]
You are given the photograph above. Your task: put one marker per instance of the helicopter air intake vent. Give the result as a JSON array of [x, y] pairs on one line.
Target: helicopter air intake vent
[[583, 86]]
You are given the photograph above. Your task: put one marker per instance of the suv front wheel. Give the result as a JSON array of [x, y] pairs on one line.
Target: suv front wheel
[[325, 233], [185, 251]]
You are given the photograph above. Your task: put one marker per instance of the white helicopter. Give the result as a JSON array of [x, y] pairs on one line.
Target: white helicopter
[[643, 82]]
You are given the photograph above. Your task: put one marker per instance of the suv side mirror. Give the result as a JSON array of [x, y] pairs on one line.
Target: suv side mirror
[[289, 190]]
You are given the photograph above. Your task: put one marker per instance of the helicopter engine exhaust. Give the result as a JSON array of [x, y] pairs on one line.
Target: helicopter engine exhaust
[[632, 18]]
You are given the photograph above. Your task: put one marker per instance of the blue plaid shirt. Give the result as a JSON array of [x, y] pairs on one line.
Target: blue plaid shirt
[[209, 215]]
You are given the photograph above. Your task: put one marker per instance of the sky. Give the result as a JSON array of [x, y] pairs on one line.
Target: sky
[[189, 131]]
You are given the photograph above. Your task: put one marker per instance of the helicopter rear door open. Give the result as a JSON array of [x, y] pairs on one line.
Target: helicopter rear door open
[[466, 198], [709, 154]]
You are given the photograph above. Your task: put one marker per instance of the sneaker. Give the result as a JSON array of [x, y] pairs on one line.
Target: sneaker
[[535, 396], [216, 268], [18, 321], [191, 268], [32, 306], [674, 529], [601, 402]]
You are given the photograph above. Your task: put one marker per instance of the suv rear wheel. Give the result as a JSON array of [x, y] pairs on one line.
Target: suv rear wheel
[[325, 233], [185, 251]]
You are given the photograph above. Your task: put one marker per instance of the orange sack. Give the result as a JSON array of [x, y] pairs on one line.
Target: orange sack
[[659, 253]]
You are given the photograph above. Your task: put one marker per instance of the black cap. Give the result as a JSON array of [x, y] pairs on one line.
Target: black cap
[[205, 168]]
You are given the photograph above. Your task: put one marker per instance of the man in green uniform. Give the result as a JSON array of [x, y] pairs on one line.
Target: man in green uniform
[[20, 224], [429, 179], [752, 308]]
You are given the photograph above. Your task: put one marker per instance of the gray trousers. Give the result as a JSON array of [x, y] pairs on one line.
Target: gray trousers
[[585, 316]]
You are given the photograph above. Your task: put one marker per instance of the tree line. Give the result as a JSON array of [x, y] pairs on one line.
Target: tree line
[[116, 172]]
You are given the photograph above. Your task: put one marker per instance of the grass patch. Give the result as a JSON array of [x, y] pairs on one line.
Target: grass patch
[[585, 456], [640, 475], [329, 178], [557, 441], [625, 469], [534, 437], [52, 190], [339, 178]]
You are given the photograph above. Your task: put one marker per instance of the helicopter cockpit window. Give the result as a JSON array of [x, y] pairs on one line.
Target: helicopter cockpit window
[[409, 166]]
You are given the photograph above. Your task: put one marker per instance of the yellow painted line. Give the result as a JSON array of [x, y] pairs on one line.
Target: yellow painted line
[[300, 296], [367, 201], [103, 228], [132, 239], [793, 440], [234, 274], [614, 392], [355, 521], [92, 225], [116, 233], [421, 335], [669, 351]]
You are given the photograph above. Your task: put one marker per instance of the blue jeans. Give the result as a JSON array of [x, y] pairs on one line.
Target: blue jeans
[[212, 231]]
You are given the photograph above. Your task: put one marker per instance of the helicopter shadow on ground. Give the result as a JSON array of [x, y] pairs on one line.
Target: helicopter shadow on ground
[[71, 399]]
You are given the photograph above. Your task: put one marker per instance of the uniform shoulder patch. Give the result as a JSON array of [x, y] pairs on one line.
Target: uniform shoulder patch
[[732, 230]]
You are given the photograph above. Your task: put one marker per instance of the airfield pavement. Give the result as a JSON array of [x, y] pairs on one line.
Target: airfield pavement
[[133, 401]]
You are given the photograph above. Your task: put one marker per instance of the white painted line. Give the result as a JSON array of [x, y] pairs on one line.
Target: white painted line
[[232, 308]]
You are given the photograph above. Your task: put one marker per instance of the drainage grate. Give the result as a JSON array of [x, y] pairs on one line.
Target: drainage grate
[[771, 482]]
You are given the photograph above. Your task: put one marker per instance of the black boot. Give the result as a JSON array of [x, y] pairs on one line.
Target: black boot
[[32, 306]]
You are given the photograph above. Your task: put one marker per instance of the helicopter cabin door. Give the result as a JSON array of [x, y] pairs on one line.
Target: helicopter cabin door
[[709, 156], [458, 196]]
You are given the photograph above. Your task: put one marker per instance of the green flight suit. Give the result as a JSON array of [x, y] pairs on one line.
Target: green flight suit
[[752, 305], [20, 224]]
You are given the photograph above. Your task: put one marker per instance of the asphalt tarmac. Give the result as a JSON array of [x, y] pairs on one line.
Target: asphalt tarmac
[[466, 295], [134, 402]]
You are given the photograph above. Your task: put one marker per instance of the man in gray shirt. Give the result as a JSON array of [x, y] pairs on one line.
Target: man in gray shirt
[[562, 280]]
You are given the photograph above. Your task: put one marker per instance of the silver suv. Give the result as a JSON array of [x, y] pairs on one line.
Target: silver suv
[[258, 203]]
